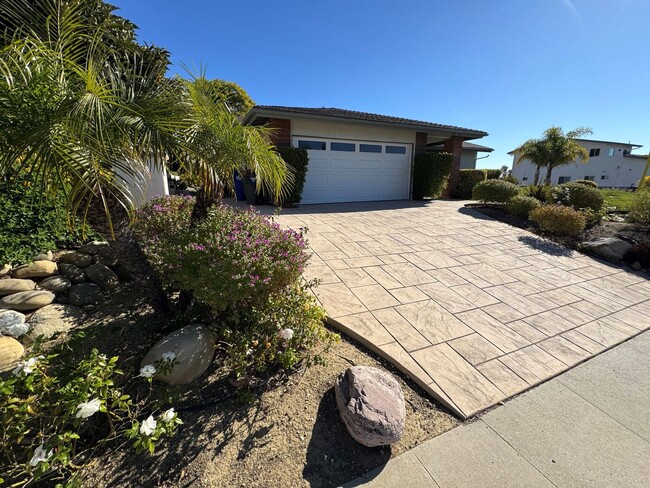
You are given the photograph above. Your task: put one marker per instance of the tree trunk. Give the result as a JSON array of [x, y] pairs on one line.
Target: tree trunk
[[549, 170], [536, 178], [206, 196]]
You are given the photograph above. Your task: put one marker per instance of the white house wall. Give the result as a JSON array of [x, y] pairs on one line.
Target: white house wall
[[468, 159], [618, 171]]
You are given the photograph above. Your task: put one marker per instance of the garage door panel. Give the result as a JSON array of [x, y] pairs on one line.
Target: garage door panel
[[338, 176]]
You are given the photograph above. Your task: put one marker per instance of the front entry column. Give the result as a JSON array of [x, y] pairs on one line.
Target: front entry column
[[453, 145]]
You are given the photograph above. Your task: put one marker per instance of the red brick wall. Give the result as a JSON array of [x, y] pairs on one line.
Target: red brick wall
[[281, 136], [453, 145], [420, 142]]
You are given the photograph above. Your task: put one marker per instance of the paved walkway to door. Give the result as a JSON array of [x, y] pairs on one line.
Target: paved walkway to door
[[473, 310]]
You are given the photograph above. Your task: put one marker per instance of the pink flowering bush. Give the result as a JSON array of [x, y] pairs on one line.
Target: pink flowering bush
[[247, 269]]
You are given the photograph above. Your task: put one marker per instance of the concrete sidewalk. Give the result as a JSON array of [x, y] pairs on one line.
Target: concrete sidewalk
[[589, 427]]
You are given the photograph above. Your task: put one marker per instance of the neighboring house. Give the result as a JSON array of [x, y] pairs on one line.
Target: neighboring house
[[469, 154], [357, 156], [611, 164]]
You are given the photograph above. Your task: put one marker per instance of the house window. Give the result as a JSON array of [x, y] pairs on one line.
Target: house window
[[611, 151], [525, 178], [343, 146], [594, 152], [563, 179], [588, 178], [604, 177], [395, 149], [313, 145], [371, 148]]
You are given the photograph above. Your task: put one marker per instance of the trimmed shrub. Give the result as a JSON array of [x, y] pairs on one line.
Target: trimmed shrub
[[578, 196], [644, 183], [32, 223], [536, 191], [493, 174], [511, 179], [590, 183], [494, 191], [430, 174], [298, 160], [640, 207], [559, 220], [468, 179], [522, 205]]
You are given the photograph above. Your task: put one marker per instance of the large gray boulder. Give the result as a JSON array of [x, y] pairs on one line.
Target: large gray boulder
[[15, 285], [74, 273], [56, 284], [193, 346], [608, 247], [12, 323], [103, 276], [27, 300], [10, 352], [79, 259], [93, 247], [54, 319], [85, 294], [37, 269], [371, 404]]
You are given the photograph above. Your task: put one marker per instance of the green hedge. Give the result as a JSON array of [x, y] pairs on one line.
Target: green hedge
[[430, 174], [298, 160], [493, 174], [468, 179], [494, 191]]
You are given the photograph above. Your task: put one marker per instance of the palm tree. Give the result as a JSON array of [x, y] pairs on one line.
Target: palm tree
[[554, 149]]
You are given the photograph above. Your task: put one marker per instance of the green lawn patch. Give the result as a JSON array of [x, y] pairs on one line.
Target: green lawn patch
[[620, 199]]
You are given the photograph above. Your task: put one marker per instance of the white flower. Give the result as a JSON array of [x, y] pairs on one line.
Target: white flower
[[249, 352], [89, 408], [168, 356], [148, 426], [26, 367], [286, 334], [168, 415], [40, 455], [102, 357], [147, 371]]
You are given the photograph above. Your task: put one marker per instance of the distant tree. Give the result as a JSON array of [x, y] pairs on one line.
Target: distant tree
[[232, 95], [554, 149]]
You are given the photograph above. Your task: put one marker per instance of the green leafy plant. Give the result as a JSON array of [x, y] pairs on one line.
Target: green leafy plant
[[590, 183], [431, 174], [494, 191], [535, 191], [55, 410], [467, 180], [522, 205], [511, 179], [493, 174], [559, 220], [577, 196], [298, 160], [644, 183], [640, 207]]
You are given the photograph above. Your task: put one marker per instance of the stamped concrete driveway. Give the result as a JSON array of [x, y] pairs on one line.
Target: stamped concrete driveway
[[473, 310]]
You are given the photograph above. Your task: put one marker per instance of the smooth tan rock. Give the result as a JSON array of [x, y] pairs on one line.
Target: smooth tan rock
[[10, 352], [79, 259], [74, 273], [194, 349], [14, 285], [93, 247], [5, 270], [56, 284], [102, 276], [371, 404], [53, 319], [44, 256], [37, 269], [27, 300]]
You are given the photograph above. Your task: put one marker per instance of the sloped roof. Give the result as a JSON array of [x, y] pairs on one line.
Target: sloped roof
[[337, 113]]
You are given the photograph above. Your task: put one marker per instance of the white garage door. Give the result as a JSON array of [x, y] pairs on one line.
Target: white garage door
[[355, 171]]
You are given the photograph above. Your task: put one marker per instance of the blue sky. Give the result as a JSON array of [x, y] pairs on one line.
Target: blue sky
[[509, 67]]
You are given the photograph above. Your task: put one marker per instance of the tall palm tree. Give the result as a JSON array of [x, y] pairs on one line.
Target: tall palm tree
[[554, 149]]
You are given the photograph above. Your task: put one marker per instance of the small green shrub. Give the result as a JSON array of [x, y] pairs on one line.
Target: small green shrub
[[577, 196], [298, 160], [494, 191], [640, 207], [522, 205], [590, 183], [468, 179], [536, 191], [559, 220], [511, 179], [492, 174], [644, 183], [431, 174], [32, 223], [56, 410]]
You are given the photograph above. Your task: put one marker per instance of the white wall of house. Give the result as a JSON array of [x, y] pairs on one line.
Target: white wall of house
[[341, 130], [610, 168], [147, 186], [468, 159]]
